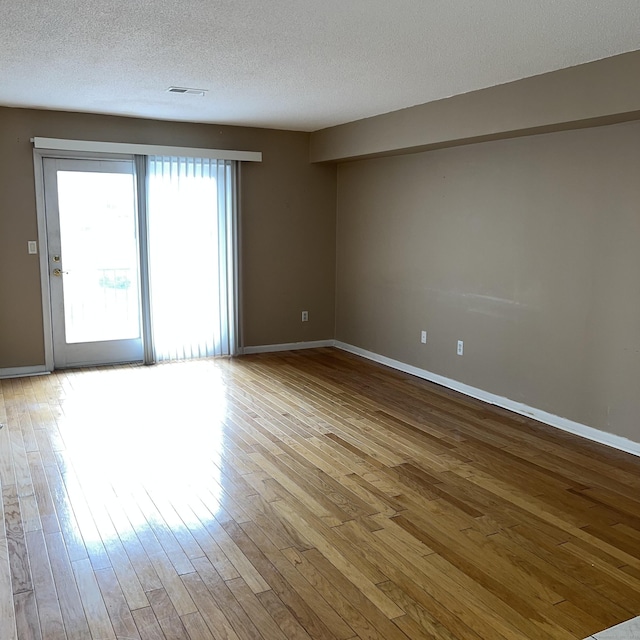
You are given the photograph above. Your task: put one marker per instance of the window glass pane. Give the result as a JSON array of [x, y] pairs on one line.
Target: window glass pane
[[99, 256]]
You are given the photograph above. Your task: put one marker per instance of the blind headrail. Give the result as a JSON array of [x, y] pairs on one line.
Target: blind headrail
[[57, 144]]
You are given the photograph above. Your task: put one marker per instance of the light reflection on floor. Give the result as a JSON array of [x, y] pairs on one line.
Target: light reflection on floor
[[148, 440]]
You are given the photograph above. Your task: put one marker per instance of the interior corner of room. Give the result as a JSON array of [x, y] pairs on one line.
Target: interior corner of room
[[505, 218]]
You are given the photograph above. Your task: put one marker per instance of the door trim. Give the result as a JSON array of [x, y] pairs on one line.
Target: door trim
[[43, 249]]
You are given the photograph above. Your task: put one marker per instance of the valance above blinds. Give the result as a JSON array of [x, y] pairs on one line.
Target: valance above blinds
[[56, 144]]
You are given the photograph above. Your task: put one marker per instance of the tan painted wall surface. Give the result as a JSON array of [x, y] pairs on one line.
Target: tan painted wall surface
[[527, 249], [288, 224], [606, 90]]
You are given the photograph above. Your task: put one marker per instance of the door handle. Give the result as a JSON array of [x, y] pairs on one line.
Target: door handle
[[58, 272]]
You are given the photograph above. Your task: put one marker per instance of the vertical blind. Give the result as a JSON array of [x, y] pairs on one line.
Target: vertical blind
[[191, 226]]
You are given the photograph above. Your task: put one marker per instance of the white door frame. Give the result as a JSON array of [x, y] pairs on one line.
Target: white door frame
[[43, 244]]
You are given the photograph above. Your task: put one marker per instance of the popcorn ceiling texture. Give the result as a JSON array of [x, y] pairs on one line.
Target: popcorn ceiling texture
[[291, 64]]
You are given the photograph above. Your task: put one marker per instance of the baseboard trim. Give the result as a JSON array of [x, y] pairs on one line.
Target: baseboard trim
[[22, 372], [288, 346], [596, 435]]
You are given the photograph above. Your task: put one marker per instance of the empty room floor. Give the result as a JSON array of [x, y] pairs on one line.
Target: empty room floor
[[301, 495]]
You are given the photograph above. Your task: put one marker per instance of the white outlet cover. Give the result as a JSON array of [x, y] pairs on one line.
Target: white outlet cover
[[32, 247], [423, 337]]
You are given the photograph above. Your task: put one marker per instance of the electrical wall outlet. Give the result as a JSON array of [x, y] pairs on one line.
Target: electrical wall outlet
[[305, 316], [32, 247], [460, 347], [423, 337]]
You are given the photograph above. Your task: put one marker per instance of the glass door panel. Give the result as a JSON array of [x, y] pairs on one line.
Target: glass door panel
[[93, 258], [99, 246]]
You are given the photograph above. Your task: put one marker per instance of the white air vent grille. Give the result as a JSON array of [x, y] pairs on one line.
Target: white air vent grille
[[187, 91]]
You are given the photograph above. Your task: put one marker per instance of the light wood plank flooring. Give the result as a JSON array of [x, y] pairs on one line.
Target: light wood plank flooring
[[302, 495]]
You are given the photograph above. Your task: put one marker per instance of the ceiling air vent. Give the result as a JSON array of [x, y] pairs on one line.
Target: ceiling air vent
[[187, 91]]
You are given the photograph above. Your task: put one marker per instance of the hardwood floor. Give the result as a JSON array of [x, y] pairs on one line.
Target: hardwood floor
[[302, 495]]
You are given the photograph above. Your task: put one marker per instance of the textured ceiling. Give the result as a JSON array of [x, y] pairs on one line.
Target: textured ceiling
[[291, 64]]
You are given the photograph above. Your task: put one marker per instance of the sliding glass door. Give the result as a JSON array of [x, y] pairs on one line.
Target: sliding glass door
[[176, 277]]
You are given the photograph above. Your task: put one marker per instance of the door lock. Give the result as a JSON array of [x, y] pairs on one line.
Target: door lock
[[58, 272]]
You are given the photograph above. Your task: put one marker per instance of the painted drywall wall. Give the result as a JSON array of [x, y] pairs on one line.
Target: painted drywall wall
[[525, 249], [287, 222], [599, 92]]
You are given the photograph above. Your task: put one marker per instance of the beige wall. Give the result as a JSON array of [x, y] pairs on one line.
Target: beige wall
[[599, 92], [288, 225], [526, 249]]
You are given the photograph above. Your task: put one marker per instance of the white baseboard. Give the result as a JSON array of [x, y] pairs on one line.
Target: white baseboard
[[21, 372], [602, 437], [288, 346]]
